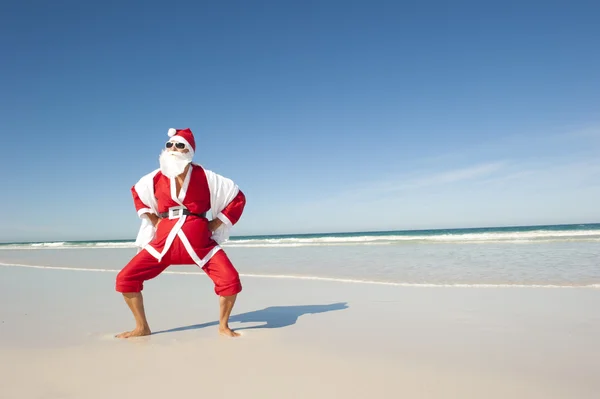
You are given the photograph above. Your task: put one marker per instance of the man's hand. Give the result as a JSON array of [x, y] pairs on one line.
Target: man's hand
[[153, 218], [214, 224]]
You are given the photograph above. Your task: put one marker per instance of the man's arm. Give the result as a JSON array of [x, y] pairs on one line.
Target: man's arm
[[214, 224], [231, 214], [143, 209], [153, 218]]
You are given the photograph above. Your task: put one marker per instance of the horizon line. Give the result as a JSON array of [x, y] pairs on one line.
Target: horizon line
[[319, 233]]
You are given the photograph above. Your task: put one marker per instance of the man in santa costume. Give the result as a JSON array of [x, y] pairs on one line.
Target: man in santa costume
[[173, 202]]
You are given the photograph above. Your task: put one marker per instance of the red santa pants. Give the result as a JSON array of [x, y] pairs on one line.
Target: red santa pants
[[144, 266]]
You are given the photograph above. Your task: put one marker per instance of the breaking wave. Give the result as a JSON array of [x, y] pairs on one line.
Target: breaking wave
[[517, 235]]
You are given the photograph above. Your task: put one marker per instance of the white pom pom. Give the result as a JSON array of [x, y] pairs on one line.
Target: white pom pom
[[171, 132]]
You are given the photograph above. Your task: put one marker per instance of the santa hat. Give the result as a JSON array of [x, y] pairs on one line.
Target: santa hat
[[184, 136]]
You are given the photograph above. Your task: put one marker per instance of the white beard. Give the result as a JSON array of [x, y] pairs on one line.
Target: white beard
[[173, 163]]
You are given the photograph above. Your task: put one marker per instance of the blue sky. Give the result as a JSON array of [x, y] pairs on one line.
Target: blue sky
[[330, 115]]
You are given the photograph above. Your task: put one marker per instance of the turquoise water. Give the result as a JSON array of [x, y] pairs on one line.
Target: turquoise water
[[572, 232], [531, 256]]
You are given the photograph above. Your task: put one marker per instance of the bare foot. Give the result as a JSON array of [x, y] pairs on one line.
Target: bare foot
[[134, 333], [228, 332]]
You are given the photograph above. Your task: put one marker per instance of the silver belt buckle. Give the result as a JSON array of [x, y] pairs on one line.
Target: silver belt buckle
[[176, 212]]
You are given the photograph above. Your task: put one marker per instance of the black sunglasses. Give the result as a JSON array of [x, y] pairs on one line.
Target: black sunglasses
[[169, 144]]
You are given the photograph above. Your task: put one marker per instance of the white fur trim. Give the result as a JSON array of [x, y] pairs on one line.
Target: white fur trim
[[153, 252], [193, 254], [184, 186], [225, 219], [145, 210], [222, 192], [171, 132], [174, 230], [200, 262], [145, 190]]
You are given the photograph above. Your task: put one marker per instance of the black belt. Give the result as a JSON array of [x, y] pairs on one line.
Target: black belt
[[179, 212]]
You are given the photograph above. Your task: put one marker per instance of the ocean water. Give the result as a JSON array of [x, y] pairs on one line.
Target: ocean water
[[541, 256]]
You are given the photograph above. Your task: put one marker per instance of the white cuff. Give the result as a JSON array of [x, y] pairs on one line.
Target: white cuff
[[144, 210], [224, 219]]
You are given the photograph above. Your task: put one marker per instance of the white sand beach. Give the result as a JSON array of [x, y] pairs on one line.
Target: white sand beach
[[300, 339]]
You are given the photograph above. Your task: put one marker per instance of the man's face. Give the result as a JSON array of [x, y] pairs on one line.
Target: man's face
[[176, 146], [174, 158]]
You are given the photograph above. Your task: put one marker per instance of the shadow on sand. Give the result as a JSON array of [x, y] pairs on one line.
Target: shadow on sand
[[272, 317]]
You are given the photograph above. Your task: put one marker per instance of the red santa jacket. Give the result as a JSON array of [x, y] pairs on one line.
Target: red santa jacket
[[202, 191]]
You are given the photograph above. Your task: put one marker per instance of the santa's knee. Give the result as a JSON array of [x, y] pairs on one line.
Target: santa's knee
[[126, 282], [229, 286]]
